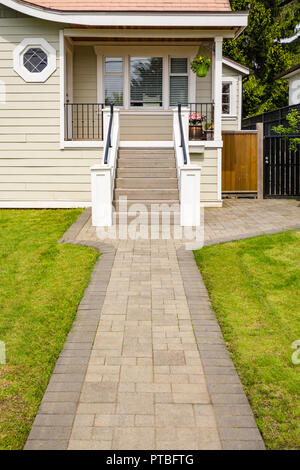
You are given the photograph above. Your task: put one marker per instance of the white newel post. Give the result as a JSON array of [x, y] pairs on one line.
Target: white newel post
[[190, 196], [101, 196], [218, 88]]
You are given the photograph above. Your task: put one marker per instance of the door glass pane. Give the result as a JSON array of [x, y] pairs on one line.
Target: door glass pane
[[113, 86], [113, 65], [178, 65], [146, 81], [178, 90], [225, 109]]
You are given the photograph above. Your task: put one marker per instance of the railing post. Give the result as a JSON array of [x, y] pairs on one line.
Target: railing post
[[190, 196], [218, 88], [101, 186]]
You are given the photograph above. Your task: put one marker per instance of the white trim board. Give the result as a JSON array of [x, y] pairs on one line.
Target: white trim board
[[94, 18], [43, 204], [233, 65]]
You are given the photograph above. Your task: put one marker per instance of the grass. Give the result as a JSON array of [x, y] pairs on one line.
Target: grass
[[41, 284], [254, 286]]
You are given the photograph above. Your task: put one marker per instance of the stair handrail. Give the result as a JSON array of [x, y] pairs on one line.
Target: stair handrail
[[182, 139], [108, 135]]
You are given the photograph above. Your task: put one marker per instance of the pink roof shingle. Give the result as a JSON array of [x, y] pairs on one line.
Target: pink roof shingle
[[134, 5]]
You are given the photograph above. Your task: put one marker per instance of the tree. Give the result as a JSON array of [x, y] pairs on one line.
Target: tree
[[259, 48]]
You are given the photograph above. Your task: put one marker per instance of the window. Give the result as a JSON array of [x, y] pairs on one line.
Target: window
[[226, 98], [178, 81], [146, 81], [113, 80], [34, 60], [229, 97]]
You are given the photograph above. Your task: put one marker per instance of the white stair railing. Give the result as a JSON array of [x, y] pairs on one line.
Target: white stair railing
[[103, 175], [188, 175]]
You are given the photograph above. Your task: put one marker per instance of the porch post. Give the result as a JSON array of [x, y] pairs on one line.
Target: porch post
[[218, 88]]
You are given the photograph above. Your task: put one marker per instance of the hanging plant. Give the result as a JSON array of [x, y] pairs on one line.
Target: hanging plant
[[200, 65]]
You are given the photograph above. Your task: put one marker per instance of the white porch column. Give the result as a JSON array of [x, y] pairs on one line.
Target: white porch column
[[101, 186], [190, 196], [218, 88]]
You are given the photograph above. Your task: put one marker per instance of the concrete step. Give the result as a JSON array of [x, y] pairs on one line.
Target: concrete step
[[146, 151], [146, 173], [146, 183], [156, 205], [146, 163], [147, 194]]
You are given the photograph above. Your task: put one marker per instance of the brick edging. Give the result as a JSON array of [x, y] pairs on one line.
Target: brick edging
[[51, 429], [235, 421]]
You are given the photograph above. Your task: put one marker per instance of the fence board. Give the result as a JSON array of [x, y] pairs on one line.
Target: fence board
[[239, 162]]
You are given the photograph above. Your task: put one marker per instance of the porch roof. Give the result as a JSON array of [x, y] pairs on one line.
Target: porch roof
[[133, 5]]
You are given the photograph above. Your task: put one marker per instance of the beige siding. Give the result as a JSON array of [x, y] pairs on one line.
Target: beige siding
[[32, 166], [146, 126], [232, 124], [209, 178], [84, 75]]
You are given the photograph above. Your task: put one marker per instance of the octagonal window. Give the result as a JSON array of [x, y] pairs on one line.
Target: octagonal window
[[35, 60]]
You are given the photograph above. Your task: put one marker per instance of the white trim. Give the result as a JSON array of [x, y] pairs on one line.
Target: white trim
[[212, 204], [43, 204], [238, 67], [62, 86], [219, 19], [98, 34], [21, 70], [240, 103], [212, 144], [219, 173], [218, 88], [83, 144], [233, 114]]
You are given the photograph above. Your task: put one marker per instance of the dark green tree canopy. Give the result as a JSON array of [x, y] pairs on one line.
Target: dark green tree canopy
[[259, 48]]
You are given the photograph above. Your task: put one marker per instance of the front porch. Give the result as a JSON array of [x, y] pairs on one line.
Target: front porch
[[146, 82]]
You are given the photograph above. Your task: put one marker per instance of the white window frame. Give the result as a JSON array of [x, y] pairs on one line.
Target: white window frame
[[114, 74], [233, 111], [166, 59], [187, 74], [21, 70]]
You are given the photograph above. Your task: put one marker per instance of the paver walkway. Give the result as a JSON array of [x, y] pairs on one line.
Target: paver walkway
[[154, 372]]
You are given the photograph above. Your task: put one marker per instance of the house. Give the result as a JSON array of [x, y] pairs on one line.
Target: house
[[64, 63], [293, 76]]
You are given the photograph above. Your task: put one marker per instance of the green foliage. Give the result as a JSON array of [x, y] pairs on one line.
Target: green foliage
[[293, 118], [200, 60], [260, 49]]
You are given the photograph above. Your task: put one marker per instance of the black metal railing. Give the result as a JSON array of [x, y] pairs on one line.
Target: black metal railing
[[182, 139], [201, 121], [84, 121], [108, 140]]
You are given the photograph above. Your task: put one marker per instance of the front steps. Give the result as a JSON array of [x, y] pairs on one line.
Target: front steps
[[147, 177]]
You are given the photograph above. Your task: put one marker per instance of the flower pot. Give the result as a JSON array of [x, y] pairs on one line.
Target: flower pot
[[195, 133], [201, 70]]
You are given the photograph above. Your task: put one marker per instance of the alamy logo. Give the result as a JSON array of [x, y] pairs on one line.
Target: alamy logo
[[2, 353], [296, 354]]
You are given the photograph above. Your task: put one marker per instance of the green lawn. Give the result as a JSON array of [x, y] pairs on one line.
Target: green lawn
[[41, 284], [254, 286]]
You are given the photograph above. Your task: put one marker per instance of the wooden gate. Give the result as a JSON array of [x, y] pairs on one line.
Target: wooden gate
[[239, 163]]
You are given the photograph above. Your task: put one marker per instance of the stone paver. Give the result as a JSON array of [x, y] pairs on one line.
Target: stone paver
[[145, 365]]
